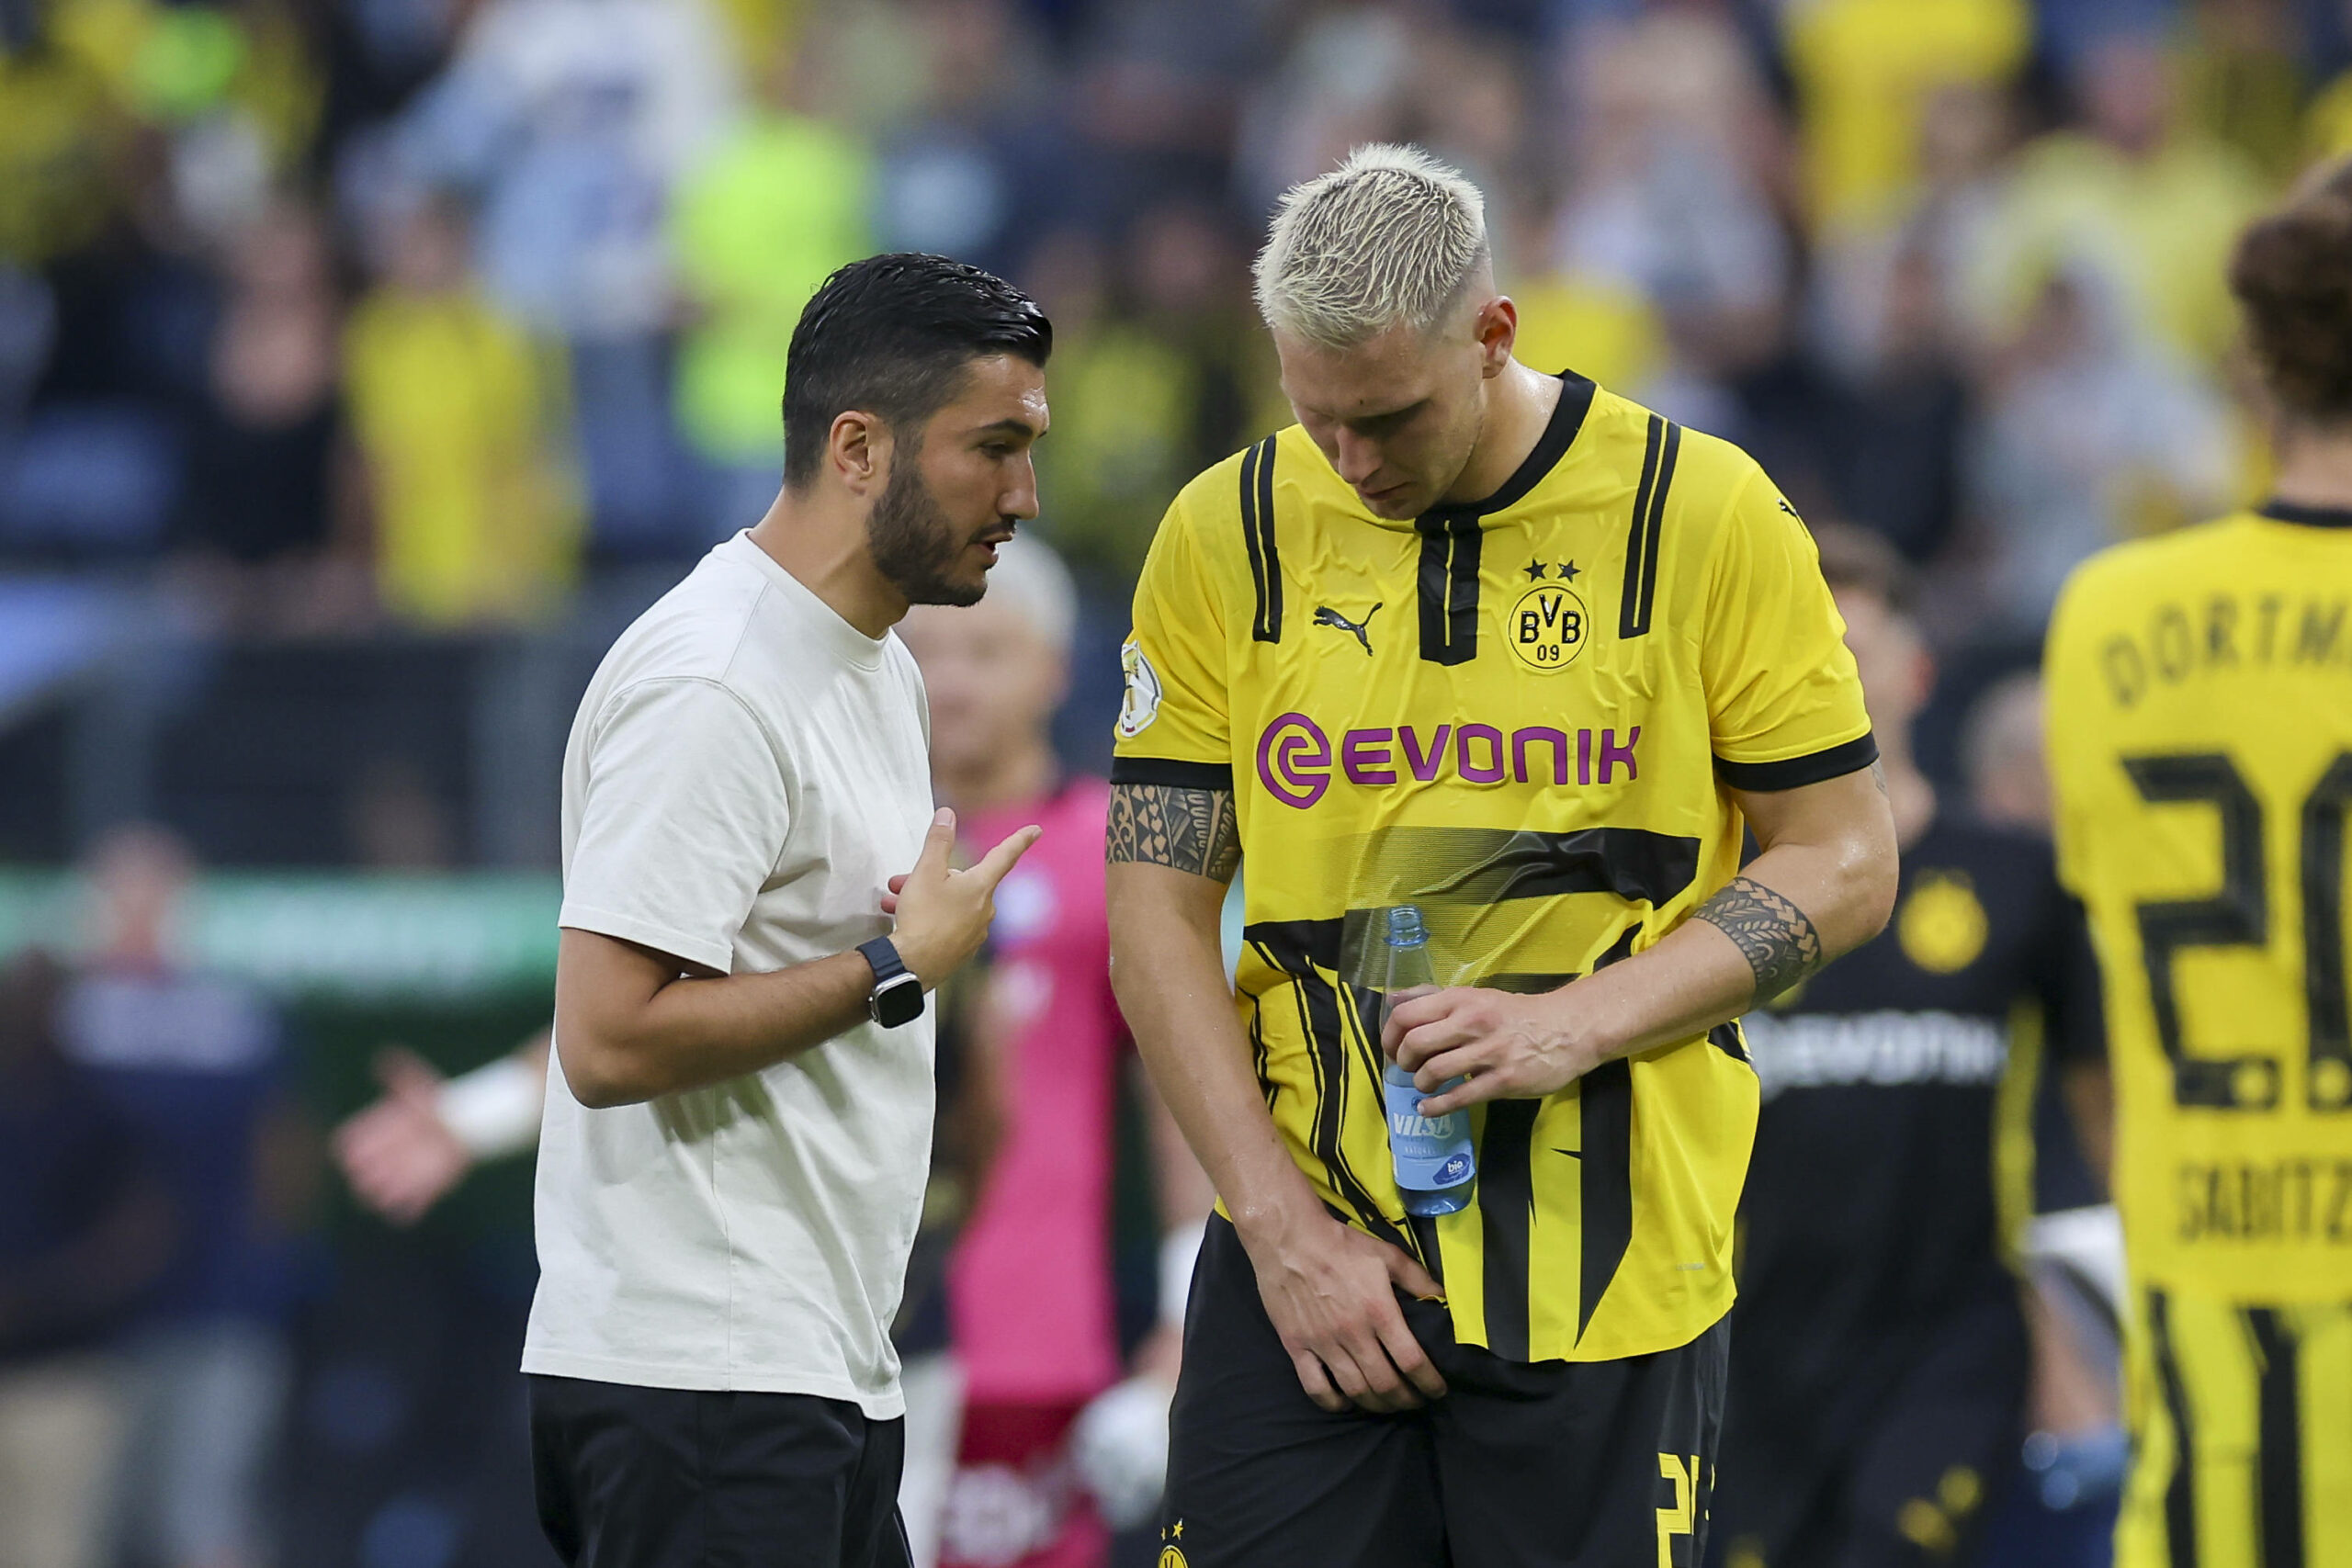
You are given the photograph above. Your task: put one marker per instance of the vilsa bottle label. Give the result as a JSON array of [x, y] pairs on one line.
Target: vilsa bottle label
[[1431, 1152]]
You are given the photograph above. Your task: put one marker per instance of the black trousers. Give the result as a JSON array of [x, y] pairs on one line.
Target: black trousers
[[1551, 1464], [631, 1477]]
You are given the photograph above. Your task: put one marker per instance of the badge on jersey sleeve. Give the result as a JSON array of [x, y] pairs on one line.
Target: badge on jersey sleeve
[[1547, 628], [1140, 704]]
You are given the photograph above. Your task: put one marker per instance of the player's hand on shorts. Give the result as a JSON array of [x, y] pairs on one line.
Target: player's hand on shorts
[[943, 913], [1331, 1291], [1504, 1045]]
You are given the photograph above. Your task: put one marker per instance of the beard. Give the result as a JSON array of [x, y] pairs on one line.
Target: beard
[[914, 544]]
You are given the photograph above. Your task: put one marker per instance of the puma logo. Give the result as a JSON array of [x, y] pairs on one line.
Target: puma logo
[[1327, 616]]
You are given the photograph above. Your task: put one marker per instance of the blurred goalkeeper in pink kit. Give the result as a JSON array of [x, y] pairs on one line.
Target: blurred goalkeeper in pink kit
[[1032, 1320], [1027, 1431]]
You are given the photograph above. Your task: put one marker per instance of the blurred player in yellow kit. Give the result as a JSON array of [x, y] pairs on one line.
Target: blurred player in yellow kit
[[2200, 743]]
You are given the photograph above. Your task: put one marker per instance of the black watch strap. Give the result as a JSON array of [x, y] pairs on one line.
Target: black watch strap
[[883, 955], [897, 996]]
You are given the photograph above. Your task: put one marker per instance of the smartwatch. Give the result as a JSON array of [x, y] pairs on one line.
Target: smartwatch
[[897, 996]]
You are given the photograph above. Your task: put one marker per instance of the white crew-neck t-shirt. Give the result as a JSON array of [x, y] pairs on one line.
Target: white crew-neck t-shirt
[[746, 772]]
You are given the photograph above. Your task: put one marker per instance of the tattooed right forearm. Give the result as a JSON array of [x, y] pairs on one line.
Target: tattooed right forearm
[[1192, 830], [1770, 933]]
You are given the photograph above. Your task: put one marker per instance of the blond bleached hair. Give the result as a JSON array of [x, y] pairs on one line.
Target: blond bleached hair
[[1391, 236]]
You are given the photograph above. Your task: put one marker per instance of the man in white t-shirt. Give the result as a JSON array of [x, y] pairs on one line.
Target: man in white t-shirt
[[739, 1108]]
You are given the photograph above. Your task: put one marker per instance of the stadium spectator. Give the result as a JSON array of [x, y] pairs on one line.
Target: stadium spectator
[[86, 1229], [572, 122], [261, 508], [1867, 72], [2136, 204], [2244, 79], [196, 1062], [2008, 781], [978, 139], [1035, 1335], [2089, 435], [1158, 374], [64, 140], [1674, 195], [779, 204], [457, 411]]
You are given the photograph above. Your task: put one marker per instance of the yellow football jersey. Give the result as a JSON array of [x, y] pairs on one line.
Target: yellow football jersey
[[2200, 749], [1523, 716]]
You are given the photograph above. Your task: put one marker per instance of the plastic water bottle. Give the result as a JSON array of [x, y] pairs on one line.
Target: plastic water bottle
[[1437, 1170]]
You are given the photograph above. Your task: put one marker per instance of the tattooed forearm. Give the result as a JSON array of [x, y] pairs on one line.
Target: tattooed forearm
[[1192, 830], [1774, 935]]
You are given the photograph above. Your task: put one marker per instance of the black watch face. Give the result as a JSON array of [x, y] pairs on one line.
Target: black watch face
[[900, 1003]]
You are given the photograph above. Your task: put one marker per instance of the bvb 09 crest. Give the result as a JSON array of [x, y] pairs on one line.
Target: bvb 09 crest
[[1547, 628]]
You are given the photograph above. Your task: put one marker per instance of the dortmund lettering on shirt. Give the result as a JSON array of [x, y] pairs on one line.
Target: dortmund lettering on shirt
[[1523, 716], [2200, 748]]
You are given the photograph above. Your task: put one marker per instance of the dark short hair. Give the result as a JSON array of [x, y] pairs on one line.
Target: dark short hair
[[892, 335], [1854, 557], [2292, 274]]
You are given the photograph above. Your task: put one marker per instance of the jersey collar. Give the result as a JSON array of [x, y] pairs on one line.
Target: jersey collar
[[2308, 516], [1559, 434]]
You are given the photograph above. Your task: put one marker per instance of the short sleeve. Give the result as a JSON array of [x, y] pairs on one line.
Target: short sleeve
[[1784, 703], [1172, 725], [683, 818]]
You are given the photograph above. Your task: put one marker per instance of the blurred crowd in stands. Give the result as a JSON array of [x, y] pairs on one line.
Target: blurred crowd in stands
[[347, 313]]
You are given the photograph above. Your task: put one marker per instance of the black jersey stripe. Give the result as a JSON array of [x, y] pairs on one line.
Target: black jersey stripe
[[2327, 1001], [1448, 587], [2308, 516], [1656, 529], [1648, 524], [1424, 1230], [1258, 536], [1309, 952], [1272, 631], [1250, 533], [1730, 1040], [1172, 771], [1630, 604], [2180, 1491], [2279, 1451], [1506, 1215], [1795, 772], [1489, 866], [1258, 1056], [1605, 1100]]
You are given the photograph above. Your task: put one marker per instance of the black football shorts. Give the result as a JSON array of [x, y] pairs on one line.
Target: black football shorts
[[1550, 1465], [632, 1477]]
